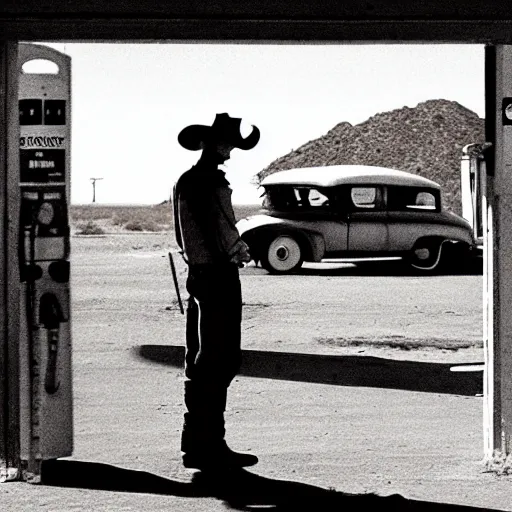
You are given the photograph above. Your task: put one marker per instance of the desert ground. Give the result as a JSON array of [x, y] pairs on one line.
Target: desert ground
[[345, 393]]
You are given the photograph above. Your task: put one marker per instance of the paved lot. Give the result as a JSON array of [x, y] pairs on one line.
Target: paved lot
[[338, 423]]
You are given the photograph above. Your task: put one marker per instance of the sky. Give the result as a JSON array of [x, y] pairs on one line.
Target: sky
[[130, 101]]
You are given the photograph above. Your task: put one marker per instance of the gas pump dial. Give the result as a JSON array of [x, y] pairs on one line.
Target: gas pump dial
[[45, 214]]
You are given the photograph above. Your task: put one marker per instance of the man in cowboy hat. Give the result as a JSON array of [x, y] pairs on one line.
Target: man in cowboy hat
[[211, 244]]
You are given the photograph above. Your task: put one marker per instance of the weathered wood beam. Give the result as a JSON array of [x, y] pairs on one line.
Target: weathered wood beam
[[147, 29], [9, 272], [498, 275]]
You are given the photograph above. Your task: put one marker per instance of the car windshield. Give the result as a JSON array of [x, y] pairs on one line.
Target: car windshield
[[295, 198]]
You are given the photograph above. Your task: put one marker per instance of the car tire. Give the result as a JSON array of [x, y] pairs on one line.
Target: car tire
[[282, 255], [457, 258], [425, 256]]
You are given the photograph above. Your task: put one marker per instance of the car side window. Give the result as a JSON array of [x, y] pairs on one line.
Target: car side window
[[295, 198], [279, 198], [424, 201], [310, 198], [368, 198], [412, 198]]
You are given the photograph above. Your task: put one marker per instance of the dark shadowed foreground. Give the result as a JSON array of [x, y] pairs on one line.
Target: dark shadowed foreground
[[239, 490]]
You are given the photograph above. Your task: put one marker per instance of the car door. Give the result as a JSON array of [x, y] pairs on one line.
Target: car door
[[316, 212], [367, 220], [413, 212], [333, 226]]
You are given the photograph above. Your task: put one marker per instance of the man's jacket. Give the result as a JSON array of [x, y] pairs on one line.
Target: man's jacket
[[204, 220]]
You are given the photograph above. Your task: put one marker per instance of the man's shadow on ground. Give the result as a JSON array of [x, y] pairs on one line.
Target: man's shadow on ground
[[240, 490], [340, 370]]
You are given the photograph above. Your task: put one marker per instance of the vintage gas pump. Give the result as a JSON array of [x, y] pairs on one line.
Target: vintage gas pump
[[46, 421], [473, 184], [478, 196]]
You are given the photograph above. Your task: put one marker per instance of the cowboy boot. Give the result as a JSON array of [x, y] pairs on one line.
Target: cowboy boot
[[202, 441], [201, 426], [211, 452]]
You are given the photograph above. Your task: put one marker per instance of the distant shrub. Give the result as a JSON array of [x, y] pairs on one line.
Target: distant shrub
[[244, 210], [90, 228], [126, 217], [142, 225], [85, 213], [135, 218], [121, 218]]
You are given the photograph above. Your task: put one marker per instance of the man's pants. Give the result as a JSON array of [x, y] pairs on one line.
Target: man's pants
[[213, 353]]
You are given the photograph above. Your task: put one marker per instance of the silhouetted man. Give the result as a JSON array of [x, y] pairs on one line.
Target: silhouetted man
[[211, 244]]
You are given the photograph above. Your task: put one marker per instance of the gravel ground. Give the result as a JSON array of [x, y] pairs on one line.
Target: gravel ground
[[339, 423]]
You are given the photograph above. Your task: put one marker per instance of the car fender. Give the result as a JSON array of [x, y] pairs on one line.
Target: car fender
[[258, 229], [405, 231], [450, 233]]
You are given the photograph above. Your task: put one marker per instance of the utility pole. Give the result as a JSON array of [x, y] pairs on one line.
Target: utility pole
[[94, 180]]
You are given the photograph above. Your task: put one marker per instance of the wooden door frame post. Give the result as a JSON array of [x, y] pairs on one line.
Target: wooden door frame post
[[498, 260], [9, 272]]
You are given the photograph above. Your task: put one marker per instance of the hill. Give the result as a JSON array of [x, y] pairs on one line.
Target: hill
[[425, 140]]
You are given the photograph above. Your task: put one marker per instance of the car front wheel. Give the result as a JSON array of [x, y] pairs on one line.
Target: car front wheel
[[283, 255]]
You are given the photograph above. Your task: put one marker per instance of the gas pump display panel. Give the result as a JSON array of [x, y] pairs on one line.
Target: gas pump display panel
[[42, 165], [43, 154]]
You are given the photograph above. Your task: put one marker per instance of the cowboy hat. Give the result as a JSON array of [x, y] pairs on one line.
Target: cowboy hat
[[224, 129]]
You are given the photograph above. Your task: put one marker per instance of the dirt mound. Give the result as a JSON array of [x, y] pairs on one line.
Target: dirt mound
[[425, 140]]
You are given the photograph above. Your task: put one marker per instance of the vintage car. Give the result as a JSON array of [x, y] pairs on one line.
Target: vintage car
[[353, 211]]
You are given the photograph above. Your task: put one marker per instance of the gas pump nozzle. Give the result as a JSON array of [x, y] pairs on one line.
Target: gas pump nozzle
[[50, 316]]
